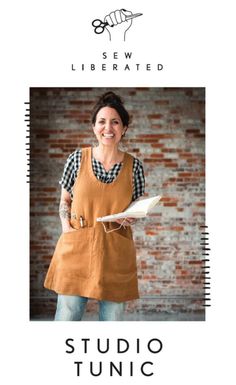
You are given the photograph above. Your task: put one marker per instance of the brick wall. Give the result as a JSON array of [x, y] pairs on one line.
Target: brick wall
[[167, 135]]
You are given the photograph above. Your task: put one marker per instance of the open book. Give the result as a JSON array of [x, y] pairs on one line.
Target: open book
[[138, 209]]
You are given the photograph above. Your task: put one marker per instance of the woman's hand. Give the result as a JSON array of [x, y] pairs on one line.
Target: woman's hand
[[126, 221], [68, 229]]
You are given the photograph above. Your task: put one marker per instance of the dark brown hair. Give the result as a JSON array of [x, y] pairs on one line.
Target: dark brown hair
[[110, 99]]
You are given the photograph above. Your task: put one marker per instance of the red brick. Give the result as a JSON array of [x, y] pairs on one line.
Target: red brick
[[170, 204], [162, 102], [176, 228], [56, 156], [155, 116]]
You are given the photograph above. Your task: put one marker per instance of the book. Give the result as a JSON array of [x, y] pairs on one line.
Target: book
[[137, 209]]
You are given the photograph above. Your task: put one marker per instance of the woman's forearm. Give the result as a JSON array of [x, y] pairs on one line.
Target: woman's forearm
[[65, 214]]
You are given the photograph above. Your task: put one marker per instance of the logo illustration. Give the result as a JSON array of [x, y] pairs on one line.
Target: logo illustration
[[116, 23]]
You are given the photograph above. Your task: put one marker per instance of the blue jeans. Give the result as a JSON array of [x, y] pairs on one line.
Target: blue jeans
[[72, 307]]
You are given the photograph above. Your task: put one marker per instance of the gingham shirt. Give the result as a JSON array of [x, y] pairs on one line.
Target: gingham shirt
[[73, 164]]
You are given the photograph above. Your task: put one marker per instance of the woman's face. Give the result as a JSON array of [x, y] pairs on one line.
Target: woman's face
[[108, 127]]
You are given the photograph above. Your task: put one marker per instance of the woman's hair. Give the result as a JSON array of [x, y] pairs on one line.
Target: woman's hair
[[110, 99]]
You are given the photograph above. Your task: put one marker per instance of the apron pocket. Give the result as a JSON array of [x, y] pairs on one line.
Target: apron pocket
[[75, 252], [120, 256]]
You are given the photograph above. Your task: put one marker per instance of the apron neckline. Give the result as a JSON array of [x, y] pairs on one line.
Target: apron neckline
[[123, 164]]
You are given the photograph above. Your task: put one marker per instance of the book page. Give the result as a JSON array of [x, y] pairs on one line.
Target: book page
[[137, 209], [143, 205], [125, 214]]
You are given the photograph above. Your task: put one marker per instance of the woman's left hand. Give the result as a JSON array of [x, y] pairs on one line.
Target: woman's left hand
[[127, 222]]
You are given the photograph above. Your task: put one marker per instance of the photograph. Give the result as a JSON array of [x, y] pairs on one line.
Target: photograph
[[99, 152]]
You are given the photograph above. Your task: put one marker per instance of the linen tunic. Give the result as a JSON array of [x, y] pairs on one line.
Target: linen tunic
[[90, 262], [72, 166]]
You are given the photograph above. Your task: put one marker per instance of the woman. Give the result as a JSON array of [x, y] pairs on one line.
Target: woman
[[89, 262]]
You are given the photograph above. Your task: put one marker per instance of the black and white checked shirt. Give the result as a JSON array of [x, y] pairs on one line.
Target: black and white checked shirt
[[73, 164]]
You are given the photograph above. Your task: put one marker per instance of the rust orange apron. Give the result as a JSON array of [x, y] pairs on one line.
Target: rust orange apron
[[90, 262]]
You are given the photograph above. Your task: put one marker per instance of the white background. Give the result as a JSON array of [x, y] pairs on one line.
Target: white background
[[194, 40]]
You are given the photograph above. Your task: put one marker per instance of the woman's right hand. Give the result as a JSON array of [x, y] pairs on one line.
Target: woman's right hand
[[68, 229]]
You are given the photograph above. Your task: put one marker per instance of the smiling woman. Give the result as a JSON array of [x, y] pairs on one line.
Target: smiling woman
[[110, 122], [108, 125], [89, 262]]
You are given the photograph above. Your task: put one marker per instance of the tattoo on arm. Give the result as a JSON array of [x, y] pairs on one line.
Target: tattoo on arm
[[64, 210]]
